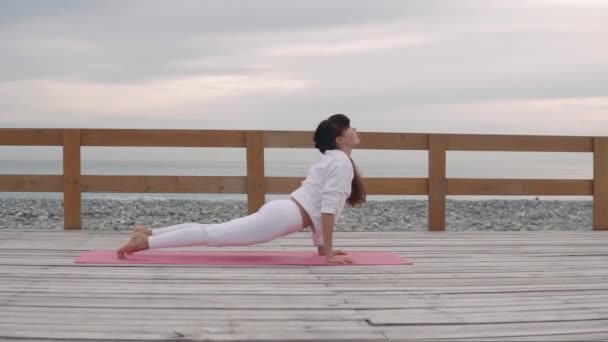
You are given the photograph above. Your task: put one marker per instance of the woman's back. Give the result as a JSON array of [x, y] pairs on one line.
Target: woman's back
[[325, 189]]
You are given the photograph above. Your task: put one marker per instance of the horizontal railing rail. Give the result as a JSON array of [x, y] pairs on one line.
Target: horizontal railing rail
[[256, 185]]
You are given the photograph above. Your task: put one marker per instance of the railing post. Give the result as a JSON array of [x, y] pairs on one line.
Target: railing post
[[256, 183], [600, 183], [71, 179], [437, 181]]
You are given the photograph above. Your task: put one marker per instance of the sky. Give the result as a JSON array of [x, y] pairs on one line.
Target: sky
[[506, 67]]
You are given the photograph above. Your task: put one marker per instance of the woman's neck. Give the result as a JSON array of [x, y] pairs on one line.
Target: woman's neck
[[347, 150]]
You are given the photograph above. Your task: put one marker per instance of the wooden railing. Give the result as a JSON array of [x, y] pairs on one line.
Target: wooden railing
[[72, 183]]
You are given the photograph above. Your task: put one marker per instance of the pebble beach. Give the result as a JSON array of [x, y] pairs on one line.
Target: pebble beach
[[392, 215]]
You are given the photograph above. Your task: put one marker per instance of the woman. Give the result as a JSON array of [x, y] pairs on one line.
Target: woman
[[332, 182]]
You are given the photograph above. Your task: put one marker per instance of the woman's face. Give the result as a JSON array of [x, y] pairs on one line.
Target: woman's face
[[349, 137]]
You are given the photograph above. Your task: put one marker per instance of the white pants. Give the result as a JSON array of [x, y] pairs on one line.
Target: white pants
[[274, 220]]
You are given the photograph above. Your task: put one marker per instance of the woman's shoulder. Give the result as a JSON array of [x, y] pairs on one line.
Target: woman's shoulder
[[338, 161]]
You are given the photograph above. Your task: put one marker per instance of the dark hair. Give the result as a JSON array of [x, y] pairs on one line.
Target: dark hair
[[325, 139]]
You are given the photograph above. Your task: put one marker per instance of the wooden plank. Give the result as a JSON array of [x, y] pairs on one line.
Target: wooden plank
[[397, 186], [293, 139], [232, 273], [187, 303], [518, 143], [571, 296], [488, 289], [393, 141], [400, 305], [282, 185], [437, 186], [552, 187], [164, 184], [18, 273], [411, 276], [288, 139], [374, 186], [489, 331], [201, 330], [30, 137], [256, 183], [179, 313], [235, 273], [369, 140], [360, 281], [472, 304], [600, 184], [441, 262], [459, 316], [163, 138], [497, 276], [596, 336], [72, 197], [31, 183]]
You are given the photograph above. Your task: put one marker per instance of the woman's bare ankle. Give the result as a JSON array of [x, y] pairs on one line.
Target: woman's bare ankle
[[137, 242], [141, 229]]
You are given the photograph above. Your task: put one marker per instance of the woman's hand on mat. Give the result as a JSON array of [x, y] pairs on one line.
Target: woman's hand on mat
[[340, 259]]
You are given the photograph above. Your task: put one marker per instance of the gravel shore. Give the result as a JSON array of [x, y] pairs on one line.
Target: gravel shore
[[394, 215]]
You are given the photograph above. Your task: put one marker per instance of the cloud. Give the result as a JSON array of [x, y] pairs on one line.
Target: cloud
[[273, 64], [344, 41], [175, 97]]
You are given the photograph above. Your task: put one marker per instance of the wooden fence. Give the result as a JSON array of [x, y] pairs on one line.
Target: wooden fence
[[437, 186]]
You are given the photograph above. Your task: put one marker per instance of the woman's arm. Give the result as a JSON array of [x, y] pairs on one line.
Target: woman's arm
[[337, 183], [327, 220]]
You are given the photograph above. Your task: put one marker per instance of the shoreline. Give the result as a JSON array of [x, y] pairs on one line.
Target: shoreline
[[376, 215]]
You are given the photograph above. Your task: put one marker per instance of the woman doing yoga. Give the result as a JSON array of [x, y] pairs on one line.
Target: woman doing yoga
[[332, 182]]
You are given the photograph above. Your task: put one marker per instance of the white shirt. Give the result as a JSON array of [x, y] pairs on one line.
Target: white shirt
[[325, 189]]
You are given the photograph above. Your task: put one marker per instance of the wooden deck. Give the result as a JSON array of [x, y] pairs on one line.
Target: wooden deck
[[516, 286]]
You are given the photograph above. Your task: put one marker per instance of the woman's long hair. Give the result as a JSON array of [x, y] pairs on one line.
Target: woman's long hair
[[325, 139]]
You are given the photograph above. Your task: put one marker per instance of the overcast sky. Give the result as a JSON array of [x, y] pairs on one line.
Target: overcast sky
[[536, 67]]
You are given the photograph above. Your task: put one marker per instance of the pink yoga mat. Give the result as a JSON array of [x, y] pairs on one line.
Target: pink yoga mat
[[239, 258]]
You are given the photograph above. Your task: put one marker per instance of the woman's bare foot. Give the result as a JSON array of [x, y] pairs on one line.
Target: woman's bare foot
[[137, 242], [141, 229]]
